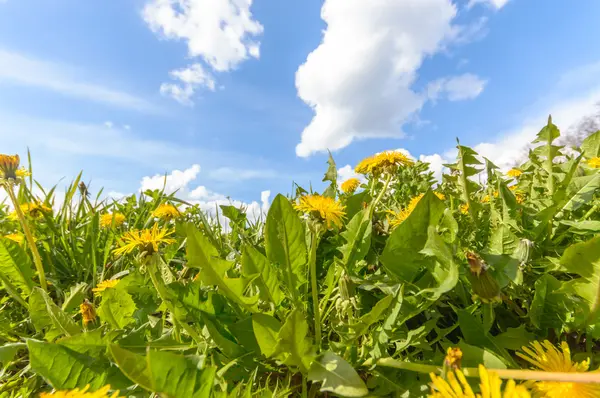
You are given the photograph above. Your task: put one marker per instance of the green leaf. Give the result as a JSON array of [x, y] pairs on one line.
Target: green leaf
[[337, 376], [358, 240], [266, 329], [474, 356], [581, 191], [222, 338], [46, 315], [75, 296], [356, 203], [548, 308], [234, 214], [444, 270], [364, 322], [64, 368], [167, 374], [591, 145], [201, 254], [401, 256], [189, 301], [515, 338], [15, 266], [8, 351], [331, 175], [285, 243], [117, 308], [257, 267], [294, 347], [582, 227]]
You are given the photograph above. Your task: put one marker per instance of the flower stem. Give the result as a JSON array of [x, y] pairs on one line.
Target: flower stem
[[37, 260], [378, 198], [313, 284]]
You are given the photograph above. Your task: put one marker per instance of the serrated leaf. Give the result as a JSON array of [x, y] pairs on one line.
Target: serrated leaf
[[581, 191], [266, 329], [358, 240], [285, 243], [591, 145], [474, 356], [8, 351], [361, 326], [337, 376], [515, 338], [257, 267], [46, 315], [222, 338], [444, 269], [16, 266], [117, 308], [548, 309], [75, 296], [294, 347]]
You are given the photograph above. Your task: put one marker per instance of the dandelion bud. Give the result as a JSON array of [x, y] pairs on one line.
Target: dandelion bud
[[523, 251], [9, 166], [453, 358], [483, 283]]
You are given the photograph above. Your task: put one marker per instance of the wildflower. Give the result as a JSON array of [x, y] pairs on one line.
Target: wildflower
[[83, 393], [33, 209], [513, 188], [9, 164], [453, 358], [456, 386], [440, 196], [520, 198], [109, 219], [400, 216], [88, 313], [515, 173], [545, 356], [382, 162], [486, 199], [464, 209], [146, 240], [15, 237], [166, 212], [22, 173], [102, 286], [594, 162], [349, 186], [324, 208]]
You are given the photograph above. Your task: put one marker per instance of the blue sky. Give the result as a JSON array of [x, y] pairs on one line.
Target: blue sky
[[93, 85]]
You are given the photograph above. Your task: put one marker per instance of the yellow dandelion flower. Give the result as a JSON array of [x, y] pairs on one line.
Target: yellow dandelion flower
[[513, 188], [453, 357], [515, 173], [22, 173], [146, 240], [109, 219], [520, 198], [464, 209], [102, 286], [88, 312], [486, 199], [545, 356], [456, 386], [9, 165], [166, 212], [15, 237], [33, 209], [399, 216], [594, 162], [382, 161], [324, 208], [440, 196], [349, 186], [83, 393]]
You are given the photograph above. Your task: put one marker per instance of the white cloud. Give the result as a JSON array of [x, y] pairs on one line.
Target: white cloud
[[127, 127], [436, 164], [456, 88], [358, 80], [64, 79], [108, 124], [191, 78], [498, 4], [175, 181], [202, 193], [347, 172], [235, 175], [223, 33]]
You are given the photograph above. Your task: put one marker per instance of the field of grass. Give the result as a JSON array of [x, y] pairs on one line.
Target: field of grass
[[392, 285]]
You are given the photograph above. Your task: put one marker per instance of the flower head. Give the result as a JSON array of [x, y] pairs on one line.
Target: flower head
[[594, 162], [440, 195], [9, 164], [381, 162], [15, 237], [33, 209], [88, 312], [323, 208], [515, 173], [464, 208], [399, 216], [83, 393], [456, 386], [453, 357], [166, 212], [146, 240], [349, 186], [545, 356], [102, 286], [110, 219]]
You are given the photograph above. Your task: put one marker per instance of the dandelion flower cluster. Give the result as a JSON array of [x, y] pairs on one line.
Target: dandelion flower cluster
[[15, 237], [381, 162], [102, 286], [110, 219], [514, 173], [146, 240], [594, 162], [326, 209], [399, 216], [33, 209], [456, 386], [464, 208], [545, 356], [166, 212], [83, 393], [349, 186]]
